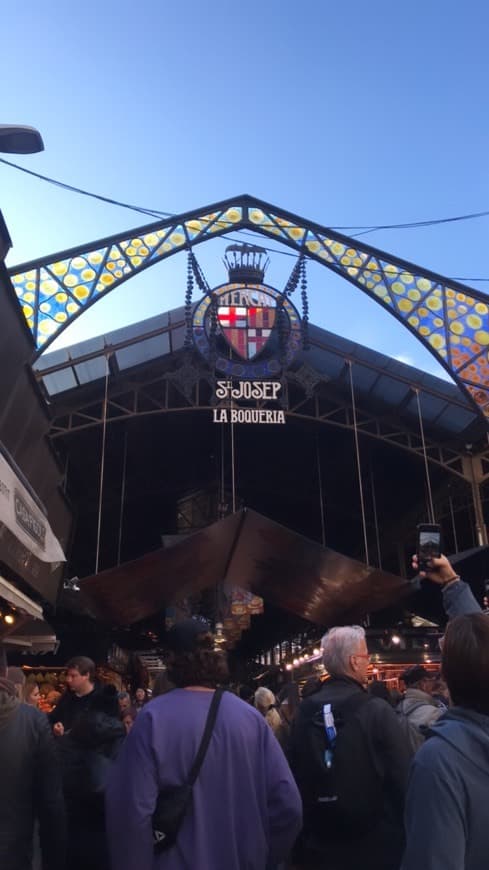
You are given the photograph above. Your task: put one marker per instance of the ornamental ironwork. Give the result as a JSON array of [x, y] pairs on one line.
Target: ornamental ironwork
[[449, 318]]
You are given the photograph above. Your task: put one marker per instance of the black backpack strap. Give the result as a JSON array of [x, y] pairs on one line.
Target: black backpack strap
[[204, 743], [343, 710]]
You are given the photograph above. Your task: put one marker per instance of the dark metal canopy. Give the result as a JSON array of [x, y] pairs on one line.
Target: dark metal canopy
[[252, 552]]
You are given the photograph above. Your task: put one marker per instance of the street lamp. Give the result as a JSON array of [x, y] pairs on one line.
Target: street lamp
[[16, 139]]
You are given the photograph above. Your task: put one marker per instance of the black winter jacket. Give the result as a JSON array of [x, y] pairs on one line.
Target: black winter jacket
[[30, 788], [87, 753], [390, 756]]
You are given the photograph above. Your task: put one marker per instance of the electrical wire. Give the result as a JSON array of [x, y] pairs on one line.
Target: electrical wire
[[359, 465], [158, 213], [414, 224], [165, 214], [102, 464], [72, 189]]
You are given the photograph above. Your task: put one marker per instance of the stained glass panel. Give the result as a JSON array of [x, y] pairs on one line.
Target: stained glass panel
[[451, 320]]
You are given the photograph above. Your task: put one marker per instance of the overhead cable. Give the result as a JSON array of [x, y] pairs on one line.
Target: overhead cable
[[364, 230], [158, 213]]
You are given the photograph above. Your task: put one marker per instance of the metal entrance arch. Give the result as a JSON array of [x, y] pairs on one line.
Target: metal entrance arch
[[450, 319]]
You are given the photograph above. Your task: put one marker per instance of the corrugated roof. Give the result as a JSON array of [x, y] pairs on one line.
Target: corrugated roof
[[380, 380]]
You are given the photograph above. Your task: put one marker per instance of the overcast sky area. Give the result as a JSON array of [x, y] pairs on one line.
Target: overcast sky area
[[350, 115]]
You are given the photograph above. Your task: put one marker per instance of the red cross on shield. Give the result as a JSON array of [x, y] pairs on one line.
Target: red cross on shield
[[246, 328]]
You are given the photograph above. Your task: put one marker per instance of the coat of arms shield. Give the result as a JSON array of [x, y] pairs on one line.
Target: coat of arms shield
[[247, 328]]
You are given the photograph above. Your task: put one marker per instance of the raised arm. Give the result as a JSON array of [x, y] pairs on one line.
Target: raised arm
[[458, 598]]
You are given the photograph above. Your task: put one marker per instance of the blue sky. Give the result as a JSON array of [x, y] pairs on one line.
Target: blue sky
[[347, 114]]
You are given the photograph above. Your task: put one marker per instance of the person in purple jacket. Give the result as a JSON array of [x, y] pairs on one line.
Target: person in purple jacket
[[246, 810]]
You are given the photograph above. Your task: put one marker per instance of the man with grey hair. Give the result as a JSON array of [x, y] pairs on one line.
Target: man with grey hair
[[351, 760]]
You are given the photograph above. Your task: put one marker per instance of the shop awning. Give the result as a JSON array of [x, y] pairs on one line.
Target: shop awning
[[29, 631], [17, 606], [18, 600], [34, 636]]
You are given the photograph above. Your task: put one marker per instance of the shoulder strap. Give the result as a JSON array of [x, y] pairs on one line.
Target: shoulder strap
[[204, 743]]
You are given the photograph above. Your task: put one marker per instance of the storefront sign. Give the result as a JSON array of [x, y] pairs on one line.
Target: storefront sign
[[24, 519], [247, 390], [247, 415], [249, 333], [30, 522]]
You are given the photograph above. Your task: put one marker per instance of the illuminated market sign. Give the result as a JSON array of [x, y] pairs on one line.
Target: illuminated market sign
[[250, 333], [247, 390]]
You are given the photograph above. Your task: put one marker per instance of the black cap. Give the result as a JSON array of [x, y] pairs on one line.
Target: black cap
[[182, 636], [415, 675]]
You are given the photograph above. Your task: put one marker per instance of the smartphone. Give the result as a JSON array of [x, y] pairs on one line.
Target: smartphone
[[428, 544]]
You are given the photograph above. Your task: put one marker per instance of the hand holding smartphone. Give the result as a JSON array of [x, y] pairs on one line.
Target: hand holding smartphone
[[428, 544]]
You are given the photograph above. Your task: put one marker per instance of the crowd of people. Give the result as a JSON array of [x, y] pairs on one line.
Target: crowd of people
[[199, 778]]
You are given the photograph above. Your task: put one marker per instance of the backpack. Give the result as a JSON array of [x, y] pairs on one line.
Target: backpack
[[415, 735], [341, 788]]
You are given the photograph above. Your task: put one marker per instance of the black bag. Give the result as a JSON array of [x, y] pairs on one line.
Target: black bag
[[173, 803], [346, 798]]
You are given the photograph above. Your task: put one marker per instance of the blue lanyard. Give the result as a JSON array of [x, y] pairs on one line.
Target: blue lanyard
[[330, 730]]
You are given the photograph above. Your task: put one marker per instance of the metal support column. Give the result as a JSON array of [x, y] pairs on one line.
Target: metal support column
[[472, 466]]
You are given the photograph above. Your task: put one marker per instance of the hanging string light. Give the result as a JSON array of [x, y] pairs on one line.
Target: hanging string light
[[281, 318], [199, 276], [305, 303], [196, 275], [282, 332], [188, 301], [294, 277], [213, 332]]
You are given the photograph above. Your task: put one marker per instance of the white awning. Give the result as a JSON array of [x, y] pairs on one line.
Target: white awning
[[34, 636], [18, 600]]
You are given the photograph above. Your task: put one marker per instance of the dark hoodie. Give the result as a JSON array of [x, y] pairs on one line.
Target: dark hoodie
[[87, 754], [30, 786], [447, 822], [389, 756]]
